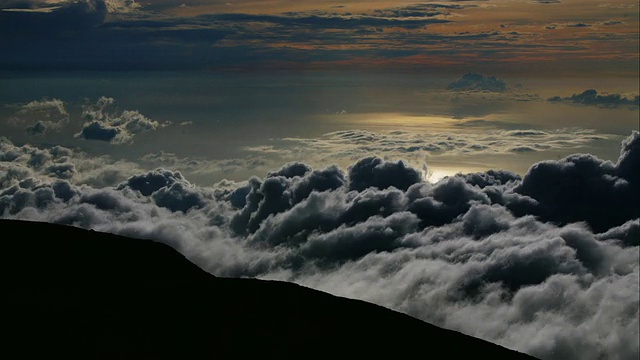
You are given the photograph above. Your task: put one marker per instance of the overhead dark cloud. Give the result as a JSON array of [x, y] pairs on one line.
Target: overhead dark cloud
[[546, 264], [129, 35], [63, 20], [98, 34], [591, 97]]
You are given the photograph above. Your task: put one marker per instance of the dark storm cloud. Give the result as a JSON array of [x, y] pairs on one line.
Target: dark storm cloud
[[152, 181], [566, 190], [98, 131], [591, 97], [490, 178], [546, 264], [374, 172]]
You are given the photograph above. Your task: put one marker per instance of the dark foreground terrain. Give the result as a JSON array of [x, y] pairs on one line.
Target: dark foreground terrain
[[83, 294]]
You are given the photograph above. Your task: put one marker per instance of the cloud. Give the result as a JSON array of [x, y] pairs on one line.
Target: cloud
[[321, 20], [415, 147], [122, 6], [44, 106], [58, 20], [40, 116], [105, 125], [31, 164], [612, 22], [373, 172], [546, 264], [478, 82], [591, 97], [578, 25], [91, 34], [566, 189]]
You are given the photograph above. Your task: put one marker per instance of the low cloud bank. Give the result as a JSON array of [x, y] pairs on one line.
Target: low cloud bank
[[591, 97], [546, 263]]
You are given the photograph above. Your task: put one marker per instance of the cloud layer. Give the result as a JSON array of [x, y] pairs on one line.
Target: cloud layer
[[546, 264], [417, 147], [591, 97], [458, 35]]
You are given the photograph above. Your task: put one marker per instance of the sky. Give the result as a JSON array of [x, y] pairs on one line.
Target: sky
[[473, 164], [509, 36]]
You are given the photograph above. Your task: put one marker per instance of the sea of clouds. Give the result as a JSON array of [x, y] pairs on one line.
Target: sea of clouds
[[547, 263]]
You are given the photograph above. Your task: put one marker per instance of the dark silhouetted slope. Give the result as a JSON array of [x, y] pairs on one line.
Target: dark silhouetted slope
[[83, 294]]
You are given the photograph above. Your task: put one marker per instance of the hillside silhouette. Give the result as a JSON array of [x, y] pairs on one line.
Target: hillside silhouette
[[75, 293]]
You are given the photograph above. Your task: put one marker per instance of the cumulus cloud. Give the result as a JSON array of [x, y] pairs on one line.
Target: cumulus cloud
[[104, 124], [40, 116], [478, 82], [31, 164], [566, 189], [122, 6], [591, 97], [546, 263]]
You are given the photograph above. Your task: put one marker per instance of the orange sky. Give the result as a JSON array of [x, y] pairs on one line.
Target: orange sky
[[570, 37], [578, 34]]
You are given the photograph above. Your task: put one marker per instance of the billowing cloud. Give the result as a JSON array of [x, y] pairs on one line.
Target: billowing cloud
[[101, 123], [31, 165], [591, 97], [565, 189], [546, 264], [40, 116]]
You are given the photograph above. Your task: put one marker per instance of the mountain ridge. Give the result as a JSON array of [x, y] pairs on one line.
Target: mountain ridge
[[81, 293]]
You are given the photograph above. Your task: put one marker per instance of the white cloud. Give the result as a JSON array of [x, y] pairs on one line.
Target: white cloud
[[466, 253]]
